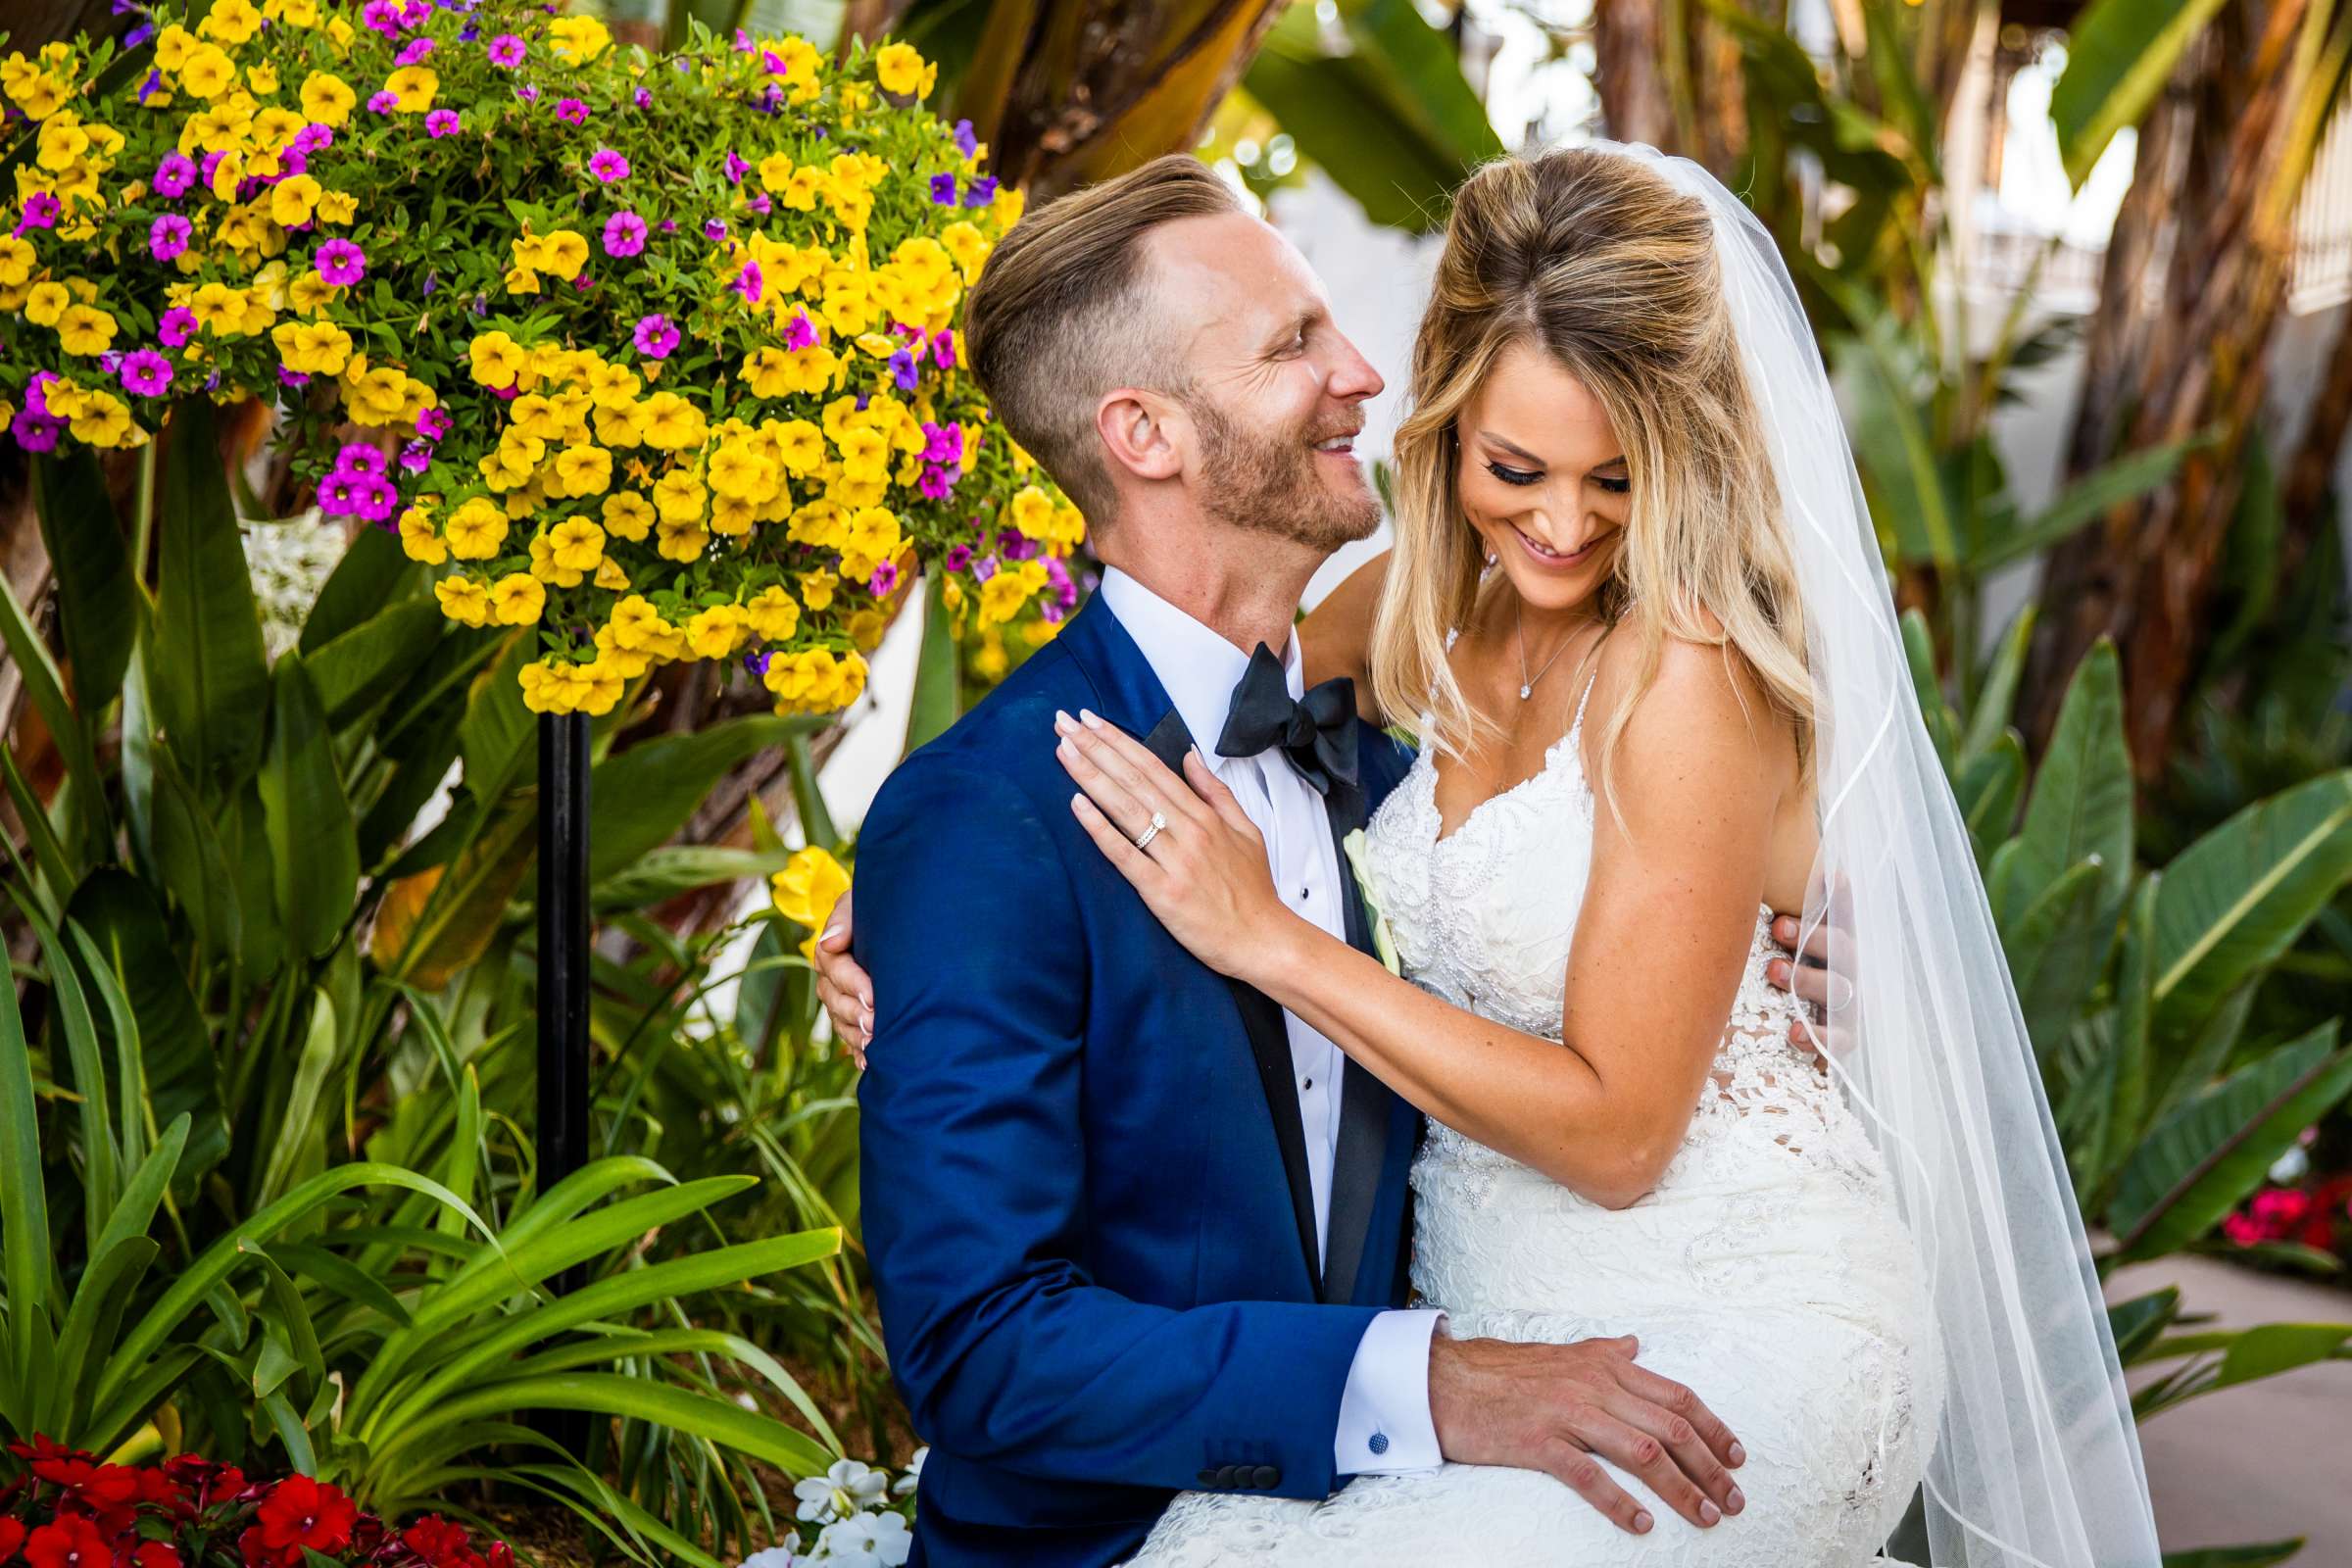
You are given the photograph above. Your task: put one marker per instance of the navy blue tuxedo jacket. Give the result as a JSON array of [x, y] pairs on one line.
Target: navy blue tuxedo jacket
[[1084, 1178]]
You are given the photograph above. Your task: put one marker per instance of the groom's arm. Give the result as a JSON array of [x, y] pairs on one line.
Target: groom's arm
[[974, 1160]]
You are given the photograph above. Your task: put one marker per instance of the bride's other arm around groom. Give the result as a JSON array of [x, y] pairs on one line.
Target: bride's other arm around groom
[[1134, 1229]]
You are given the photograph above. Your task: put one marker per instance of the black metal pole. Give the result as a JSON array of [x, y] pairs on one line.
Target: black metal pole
[[564, 986]]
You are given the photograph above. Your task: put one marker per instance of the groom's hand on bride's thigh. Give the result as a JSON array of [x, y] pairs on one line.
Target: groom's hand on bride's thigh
[[1555, 1407], [1814, 978]]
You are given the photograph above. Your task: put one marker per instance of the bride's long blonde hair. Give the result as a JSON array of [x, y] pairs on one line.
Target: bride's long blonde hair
[[1596, 259]]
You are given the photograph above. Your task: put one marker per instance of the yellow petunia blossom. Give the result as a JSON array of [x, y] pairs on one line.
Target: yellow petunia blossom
[[517, 599], [628, 516], [496, 360], [327, 98], [219, 309], [417, 539], [104, 421], [816, 588], [412, 88], [575, 40], [577, 544], [87, 331], [338, 206], [16, 261], [464, 600], [806, 890], [476, 529], [230, 22], [583, 470], [716, 632], [771, 614], [900, 70], [46, 303], [293, 199], [208, 71]]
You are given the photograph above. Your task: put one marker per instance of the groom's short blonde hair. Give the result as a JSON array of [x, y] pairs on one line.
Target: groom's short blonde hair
[[1060, 316]]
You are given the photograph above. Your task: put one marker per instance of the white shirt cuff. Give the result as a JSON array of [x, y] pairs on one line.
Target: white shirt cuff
[[1385, 1424]]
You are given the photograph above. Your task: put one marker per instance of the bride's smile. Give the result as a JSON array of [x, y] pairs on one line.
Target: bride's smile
[[1544, 481]]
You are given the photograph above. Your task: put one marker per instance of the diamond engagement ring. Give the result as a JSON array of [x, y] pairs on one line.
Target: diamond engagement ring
[[1153, 831]]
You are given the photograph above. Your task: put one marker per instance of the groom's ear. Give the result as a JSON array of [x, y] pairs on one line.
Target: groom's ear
[[1144, 433]]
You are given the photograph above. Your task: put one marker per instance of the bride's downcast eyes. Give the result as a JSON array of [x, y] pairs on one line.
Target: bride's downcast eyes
[[1508, 475]]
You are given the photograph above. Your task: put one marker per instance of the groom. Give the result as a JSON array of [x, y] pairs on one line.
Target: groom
[[1134, 1228]]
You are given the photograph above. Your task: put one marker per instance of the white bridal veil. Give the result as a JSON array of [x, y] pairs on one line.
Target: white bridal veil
[[2036, 1463]]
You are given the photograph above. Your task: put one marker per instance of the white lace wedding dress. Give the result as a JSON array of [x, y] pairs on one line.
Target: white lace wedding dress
[[1768, 1271]]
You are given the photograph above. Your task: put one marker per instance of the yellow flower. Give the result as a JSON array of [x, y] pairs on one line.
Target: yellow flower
[[816, 588], [219, 309], [231, 22], [261, 77], [517, 599], [209, 71], [103, 421], [419, 541], [544, 566], [46, 303], [327, 98], [671, 423], [85, 329], [62, 142], [637, 624], [464, 600], [771, 614], [577, 544], [806, 890], [576, 40], [563, 253], [16, 261], [1033, 512], [801, 445], [292, 200], [412, 88], [476, 529], [495, 360], [628, 516], [902, 70], [814, 681], [680, 540], [712, 633], [338, 206], [1002, 595], [584, 471]]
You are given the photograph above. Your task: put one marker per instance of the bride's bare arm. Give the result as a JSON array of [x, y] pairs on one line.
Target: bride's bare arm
[[1668, 916], [1335, 637]]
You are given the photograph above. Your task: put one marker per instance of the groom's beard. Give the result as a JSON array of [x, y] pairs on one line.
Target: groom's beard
[[1269, 483]]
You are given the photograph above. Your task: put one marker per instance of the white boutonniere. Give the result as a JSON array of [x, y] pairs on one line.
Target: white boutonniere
[[1382, 943]]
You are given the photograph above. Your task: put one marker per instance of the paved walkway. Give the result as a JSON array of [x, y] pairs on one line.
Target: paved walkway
[[2266, 1461]]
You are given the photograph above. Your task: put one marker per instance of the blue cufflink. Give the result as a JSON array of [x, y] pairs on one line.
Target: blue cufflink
[[1379, 1442]]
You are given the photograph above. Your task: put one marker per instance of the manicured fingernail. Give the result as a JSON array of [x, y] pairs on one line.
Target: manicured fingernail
[[1086, 716], [1736, 1500], [1642, 1523], [1065, 750], [831, 932], [1739, 1454], [1709, 1514], [1063, 723]]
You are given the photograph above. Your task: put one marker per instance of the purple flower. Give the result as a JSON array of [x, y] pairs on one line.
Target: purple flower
[[749, 283], [41, 212], [340, 261], [984, 569], [965, 142], [624, 234], [667, 226], [1065, 591], [608, 166], [958, 558], [383, 103], [375, 499], [358, 456], [715, 230], [759, 205], [757, 661], [655, 337], [642, 98], [507, 50], [527, 93], [743, 42], [178, 323], [571, 110], [884, 579], [153, 81], [441, 122], [800, 333], [35, 433], [168, 236], [416, 50], [981, 191], [293, 162], [415, 457], [943, 348], [735, 168], [936, 482], [312, 138], [943, 190], [943, 443], [1014, 545], [901, 366], [146, 372], [434, 423], [338, 493]]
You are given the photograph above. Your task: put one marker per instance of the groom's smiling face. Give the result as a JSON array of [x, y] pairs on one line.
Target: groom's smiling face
[[1274, 391]]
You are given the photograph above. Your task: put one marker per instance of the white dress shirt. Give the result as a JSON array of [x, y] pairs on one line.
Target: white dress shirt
[[1384, 1423]]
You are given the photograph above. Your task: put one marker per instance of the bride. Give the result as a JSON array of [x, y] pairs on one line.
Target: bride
[[1636, 614]]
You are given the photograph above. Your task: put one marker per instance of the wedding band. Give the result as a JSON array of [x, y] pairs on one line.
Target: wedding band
[[1153, 831]]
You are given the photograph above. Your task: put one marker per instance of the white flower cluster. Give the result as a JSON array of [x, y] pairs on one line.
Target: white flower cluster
[[857, 1507]]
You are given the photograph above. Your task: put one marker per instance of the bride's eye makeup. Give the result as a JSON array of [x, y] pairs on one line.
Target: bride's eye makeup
[[1615, 487], [1512, 475]]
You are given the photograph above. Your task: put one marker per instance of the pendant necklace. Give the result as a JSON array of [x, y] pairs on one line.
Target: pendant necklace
[[1527, 682]]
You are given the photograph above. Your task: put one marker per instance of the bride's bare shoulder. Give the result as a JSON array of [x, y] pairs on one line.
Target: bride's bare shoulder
[[1701, 698], [1335, 637]]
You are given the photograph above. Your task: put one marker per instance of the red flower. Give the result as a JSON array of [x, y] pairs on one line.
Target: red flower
[[501, 1556], [12, 1535], [68, 1542], [155, 1555], [301, 1512], [255, 1551], [437, 1541], [202, 1482]]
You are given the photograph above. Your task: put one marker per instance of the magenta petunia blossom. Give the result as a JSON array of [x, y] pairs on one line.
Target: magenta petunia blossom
[[885, 580], [642, 98], [177, 325], [441, 122], [168, 236], [434, 423], [734, 167], [750, 282], [799, 332], [507, 50], [340, 261], [655, 337], [936, 483], [624, 234], [174, 175], [383, 103], [146, 372], [571, 110], [358, 456], [416, 50], [608, 166], [41, 212]]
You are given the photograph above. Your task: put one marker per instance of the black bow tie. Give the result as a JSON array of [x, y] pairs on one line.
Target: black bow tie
[[1316, 732]]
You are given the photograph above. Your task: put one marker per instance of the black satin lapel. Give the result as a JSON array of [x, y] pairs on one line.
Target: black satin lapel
[[1269, 1042], [1364, 1100]]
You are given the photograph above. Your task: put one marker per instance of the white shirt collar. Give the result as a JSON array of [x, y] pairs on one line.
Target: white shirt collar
[[1196, 665]]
